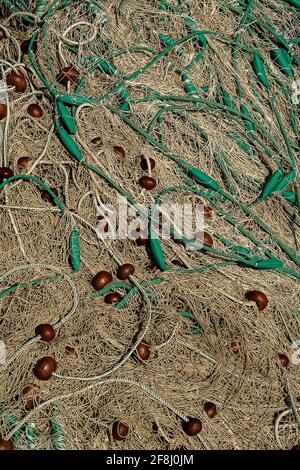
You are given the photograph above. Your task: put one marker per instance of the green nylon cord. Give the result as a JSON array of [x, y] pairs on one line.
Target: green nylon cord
[[39, 182]]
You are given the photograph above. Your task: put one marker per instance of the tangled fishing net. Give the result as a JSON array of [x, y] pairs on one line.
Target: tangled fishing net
[[165, 102]]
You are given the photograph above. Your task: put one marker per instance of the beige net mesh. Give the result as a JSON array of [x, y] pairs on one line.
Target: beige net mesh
[[208, 342]]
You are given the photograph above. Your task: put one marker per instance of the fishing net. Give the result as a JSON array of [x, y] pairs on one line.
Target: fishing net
[[179, 102]]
